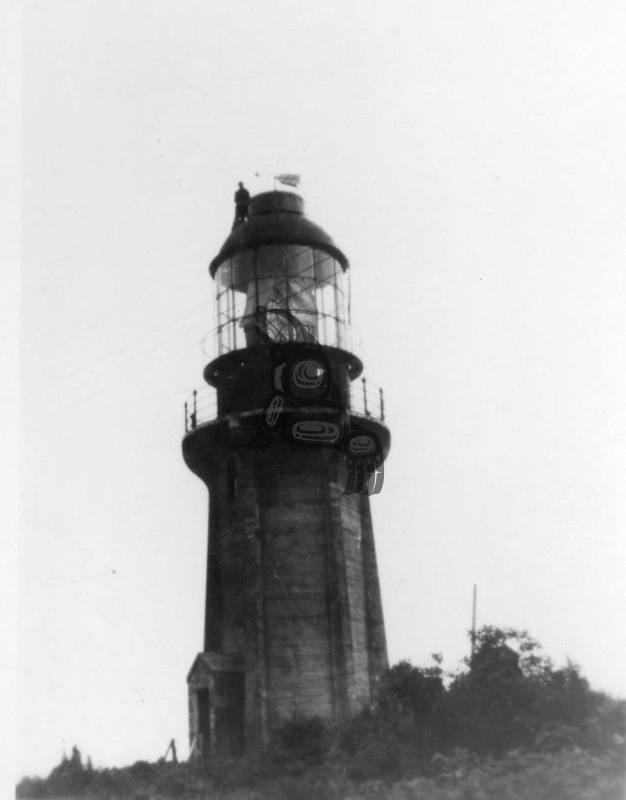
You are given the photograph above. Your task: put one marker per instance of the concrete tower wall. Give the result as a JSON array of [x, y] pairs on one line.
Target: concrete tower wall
[[290, 574]]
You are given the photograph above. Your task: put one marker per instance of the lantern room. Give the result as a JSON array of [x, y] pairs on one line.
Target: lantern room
[[279, 261]]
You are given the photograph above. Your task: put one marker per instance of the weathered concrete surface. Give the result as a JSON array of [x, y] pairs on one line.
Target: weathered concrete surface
[[292, 586]]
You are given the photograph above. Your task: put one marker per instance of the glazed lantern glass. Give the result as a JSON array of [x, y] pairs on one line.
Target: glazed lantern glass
[[304, 281]]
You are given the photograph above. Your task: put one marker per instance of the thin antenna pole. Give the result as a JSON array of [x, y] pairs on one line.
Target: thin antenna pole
[[474, 620]]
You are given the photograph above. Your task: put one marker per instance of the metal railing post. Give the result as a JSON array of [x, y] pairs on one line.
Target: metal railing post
[[365, 397], [382, 405], [186, 418], [194, 415]]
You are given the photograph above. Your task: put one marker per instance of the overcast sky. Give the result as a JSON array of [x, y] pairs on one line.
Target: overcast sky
[[469, 160]]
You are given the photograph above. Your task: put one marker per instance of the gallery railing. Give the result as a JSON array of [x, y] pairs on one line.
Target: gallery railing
[[366, 400]]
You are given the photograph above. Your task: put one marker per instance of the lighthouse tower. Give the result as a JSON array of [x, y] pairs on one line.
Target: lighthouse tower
[[290, 445]]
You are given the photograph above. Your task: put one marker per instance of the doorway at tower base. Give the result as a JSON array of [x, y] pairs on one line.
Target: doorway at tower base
[[216, 686]]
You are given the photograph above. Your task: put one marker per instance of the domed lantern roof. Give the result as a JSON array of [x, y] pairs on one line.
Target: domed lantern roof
[[276, 218]]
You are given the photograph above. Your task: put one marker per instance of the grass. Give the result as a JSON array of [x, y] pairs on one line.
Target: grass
[[571, 774]]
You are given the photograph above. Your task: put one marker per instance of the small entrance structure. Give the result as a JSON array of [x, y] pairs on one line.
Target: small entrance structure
[[216, 704]]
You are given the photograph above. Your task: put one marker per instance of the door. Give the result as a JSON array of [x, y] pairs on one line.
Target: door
[[204, 720], [229, 713]]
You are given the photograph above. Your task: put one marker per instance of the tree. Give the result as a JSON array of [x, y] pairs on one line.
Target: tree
[[69, 777], [411, 690], [511, 696]]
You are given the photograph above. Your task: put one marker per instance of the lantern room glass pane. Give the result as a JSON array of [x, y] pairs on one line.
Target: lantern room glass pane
[[307, 283]]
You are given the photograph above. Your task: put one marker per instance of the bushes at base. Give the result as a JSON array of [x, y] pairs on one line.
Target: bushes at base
[[70, 779], [306, 739], [571, 774], [509, 710]]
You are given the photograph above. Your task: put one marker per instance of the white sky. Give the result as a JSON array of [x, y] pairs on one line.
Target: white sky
[[469, 160]]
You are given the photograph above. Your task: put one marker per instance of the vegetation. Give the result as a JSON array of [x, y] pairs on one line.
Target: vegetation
[[507, 725]]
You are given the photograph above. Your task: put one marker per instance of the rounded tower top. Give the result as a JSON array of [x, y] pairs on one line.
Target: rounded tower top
[[276, 218]]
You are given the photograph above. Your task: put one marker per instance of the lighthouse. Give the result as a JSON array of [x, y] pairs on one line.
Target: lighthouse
[[290, 441]]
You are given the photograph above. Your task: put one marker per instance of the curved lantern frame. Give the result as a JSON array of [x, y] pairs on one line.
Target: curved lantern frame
[[304, 281]]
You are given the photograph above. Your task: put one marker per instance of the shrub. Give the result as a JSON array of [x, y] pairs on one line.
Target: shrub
[[305, 740]]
